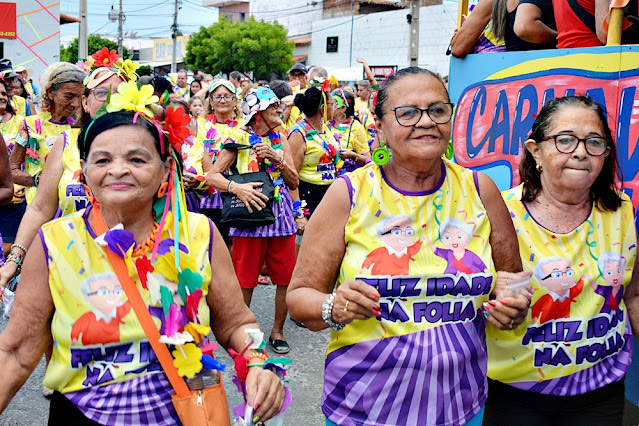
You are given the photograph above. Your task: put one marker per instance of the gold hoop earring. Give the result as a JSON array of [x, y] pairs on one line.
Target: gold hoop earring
[[539, 168]]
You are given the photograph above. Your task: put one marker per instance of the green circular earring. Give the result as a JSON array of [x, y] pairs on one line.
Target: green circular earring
[[381, 154]]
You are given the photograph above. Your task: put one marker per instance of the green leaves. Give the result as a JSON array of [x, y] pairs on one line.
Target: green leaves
[[251, 45]]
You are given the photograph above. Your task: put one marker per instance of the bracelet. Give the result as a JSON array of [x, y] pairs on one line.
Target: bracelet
[[256, 364], [35, 180], [228, 188], [327, 313], [18, 259], [256, 354], [281, 164], [20, 246]]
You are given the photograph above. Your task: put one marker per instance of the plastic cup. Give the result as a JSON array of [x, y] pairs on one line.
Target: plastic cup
[[514, 288]]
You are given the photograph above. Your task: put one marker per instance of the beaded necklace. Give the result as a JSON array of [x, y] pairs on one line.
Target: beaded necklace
[[330, 149], [276, 143]]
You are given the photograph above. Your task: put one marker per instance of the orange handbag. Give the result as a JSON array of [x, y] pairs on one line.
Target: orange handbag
[[208, 406]]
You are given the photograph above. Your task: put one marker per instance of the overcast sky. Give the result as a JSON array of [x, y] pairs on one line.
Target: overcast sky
[[151, 18]]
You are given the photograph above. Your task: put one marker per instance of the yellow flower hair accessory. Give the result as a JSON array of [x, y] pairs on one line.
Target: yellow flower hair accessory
[[132, 98], [127, 68]]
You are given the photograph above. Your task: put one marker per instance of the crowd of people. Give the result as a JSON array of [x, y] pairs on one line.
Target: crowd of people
[[516, 25], [157, 208]]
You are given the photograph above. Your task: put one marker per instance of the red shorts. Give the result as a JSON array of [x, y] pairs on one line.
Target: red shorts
[[250, 253]]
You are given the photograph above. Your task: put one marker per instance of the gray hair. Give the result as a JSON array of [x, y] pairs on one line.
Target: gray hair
[[320, 71], [538, 270], [55, 76], [607, 257], [86, 283], [364, 83], [451, 222], [183, 71], [381, 226]]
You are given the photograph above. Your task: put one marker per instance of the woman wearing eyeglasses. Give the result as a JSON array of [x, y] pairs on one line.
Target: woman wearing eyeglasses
[[408, 345], [60, 184], [222, 119], [565, 364]]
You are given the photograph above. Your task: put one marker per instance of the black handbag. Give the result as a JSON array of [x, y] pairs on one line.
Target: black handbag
[[234, 212]]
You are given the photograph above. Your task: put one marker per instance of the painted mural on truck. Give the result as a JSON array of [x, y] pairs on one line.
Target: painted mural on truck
[[497, 99], [498, 96]]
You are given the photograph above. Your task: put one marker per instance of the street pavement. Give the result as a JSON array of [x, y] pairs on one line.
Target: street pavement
[[30, 407]]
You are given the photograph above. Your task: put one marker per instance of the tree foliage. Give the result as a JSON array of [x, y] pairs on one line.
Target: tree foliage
[[251, 45], [95, 42]]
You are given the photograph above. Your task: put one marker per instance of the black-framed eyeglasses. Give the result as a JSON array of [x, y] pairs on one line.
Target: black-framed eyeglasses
[[227, 98], [567, 143], [396, 230], [557, 274], [440, 113], [100, 93]]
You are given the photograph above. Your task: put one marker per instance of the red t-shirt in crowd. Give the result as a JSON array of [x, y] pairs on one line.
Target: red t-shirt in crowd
[[572, 31]]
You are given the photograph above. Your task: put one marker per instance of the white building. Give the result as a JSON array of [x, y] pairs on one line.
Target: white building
[[382, 38]]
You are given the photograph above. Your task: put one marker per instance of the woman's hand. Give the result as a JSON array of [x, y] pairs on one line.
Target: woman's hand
[[347, 154], [301, 224], [355, 300], [249, 196], [190, 181], [509, 310], [264, 150], [265, 393], [7, 272]]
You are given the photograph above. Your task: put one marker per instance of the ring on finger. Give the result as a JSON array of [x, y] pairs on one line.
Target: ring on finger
[[346, 306], [512, 323]]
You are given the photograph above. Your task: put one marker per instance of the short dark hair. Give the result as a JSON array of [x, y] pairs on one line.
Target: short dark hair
[[603, 192], [310, 101], [161, 85], [382, 94], [236, 75], [350, 104], [90, 130], [281, 88]]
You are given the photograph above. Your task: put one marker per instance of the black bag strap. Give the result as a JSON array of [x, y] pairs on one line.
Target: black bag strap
[[584, 16]]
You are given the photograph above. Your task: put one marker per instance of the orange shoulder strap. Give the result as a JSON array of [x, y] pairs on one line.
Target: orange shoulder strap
[[142, 312]]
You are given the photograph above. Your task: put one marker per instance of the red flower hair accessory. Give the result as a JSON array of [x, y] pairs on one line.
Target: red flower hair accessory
[[104, 58], [175, 124]]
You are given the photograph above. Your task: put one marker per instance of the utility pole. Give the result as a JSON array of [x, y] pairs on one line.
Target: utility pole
[[413, 46], [174, 57], [120, 30], [83, 45]]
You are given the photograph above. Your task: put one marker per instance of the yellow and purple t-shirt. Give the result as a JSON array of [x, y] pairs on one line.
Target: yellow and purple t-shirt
[[41, 135], [423, 361], [576, 337], [99, 347], [71, 193]]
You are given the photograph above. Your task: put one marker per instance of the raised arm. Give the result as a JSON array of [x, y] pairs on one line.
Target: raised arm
[[369, 74], [28, 332], [17, 159], [465, 38]]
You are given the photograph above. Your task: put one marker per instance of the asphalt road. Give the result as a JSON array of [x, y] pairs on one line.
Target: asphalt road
[[29, 407]]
